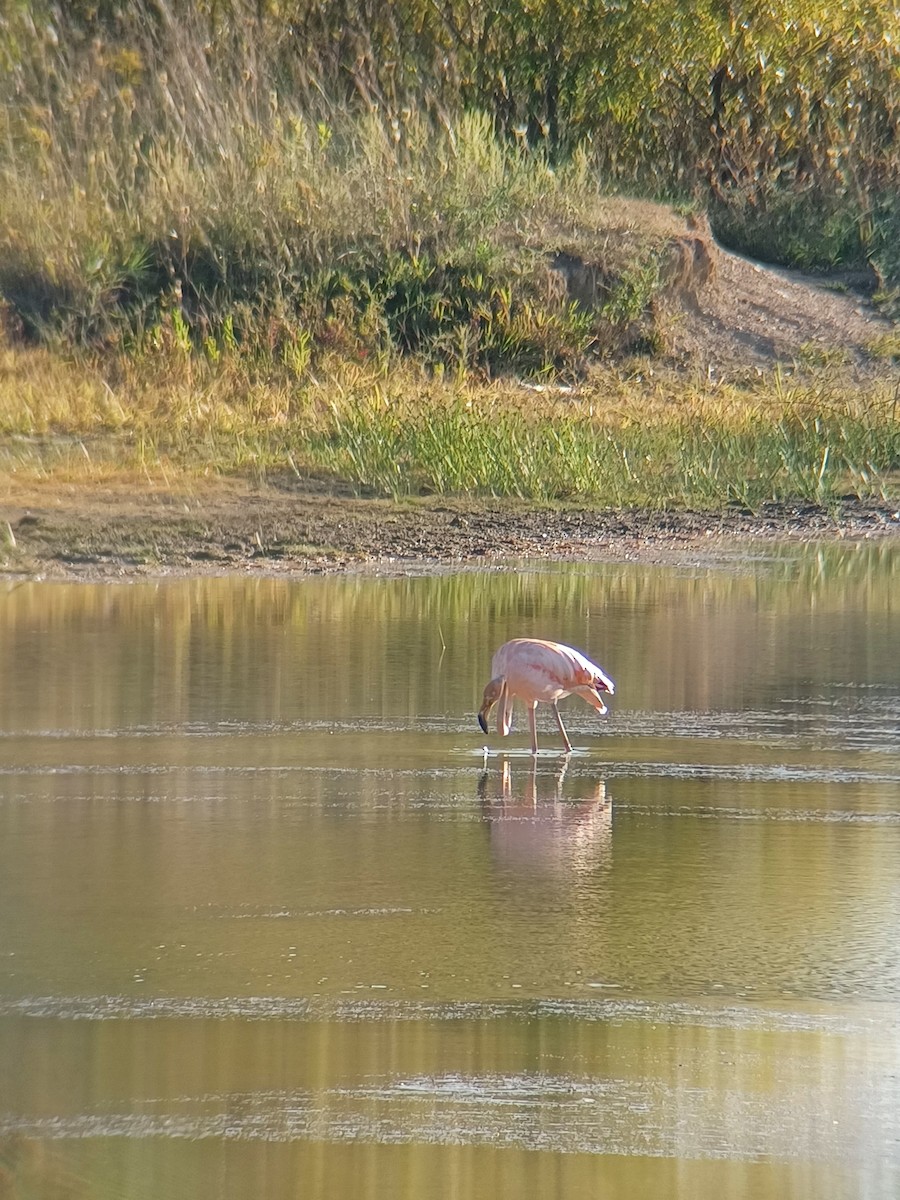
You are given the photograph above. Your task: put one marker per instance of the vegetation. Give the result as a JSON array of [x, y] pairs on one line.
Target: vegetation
[[267, 169], [659, 445], [307, 239], [291, 232]]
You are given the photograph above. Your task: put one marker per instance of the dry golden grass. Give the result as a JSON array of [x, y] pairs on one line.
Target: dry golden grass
[[622, 437]]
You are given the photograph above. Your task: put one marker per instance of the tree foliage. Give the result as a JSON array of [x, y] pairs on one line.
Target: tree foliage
[[750, 106]]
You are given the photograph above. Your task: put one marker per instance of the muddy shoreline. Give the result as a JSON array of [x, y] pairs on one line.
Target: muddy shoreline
[[232, 528]]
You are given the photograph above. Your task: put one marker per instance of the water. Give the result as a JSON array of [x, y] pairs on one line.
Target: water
[[271, 924]]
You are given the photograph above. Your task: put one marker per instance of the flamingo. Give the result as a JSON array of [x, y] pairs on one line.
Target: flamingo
[[540, 672]]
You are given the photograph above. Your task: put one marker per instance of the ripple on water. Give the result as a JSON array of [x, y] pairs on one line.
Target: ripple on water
[[611, 769], [558, 1113], [883, 1019], [858, 718]]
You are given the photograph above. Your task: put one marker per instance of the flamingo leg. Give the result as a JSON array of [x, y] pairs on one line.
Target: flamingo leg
[[532, 725], [562, 728]]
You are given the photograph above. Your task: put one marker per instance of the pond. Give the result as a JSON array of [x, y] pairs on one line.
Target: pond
[[276, 919]]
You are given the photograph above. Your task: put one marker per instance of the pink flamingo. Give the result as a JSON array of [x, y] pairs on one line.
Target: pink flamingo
[[540, 672]]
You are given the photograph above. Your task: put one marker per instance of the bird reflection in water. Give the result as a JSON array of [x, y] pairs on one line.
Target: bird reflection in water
[[534, 827]]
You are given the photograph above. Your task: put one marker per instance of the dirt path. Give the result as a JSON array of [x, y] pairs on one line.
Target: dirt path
[[229, 528], [751, 316]]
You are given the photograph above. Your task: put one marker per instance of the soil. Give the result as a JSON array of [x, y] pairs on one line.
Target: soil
[[750, 317], [744, 318], [230, 529]]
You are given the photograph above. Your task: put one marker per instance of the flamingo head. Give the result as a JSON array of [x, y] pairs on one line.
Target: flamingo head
[[491, 695]]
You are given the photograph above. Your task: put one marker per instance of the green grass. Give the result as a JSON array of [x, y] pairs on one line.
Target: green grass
[[705, 462], [402, 433], [217, 264]]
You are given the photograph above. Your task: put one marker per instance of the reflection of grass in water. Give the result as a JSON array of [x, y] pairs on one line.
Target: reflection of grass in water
[[304, 635], [612, 443], [31, 1170]]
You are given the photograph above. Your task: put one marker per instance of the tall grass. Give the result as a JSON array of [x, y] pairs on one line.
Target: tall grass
[[707, 459], [288, 234], [778, 113], [153, 192], [404, 434]]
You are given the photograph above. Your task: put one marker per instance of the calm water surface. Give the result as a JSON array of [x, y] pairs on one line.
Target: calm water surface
[[273, 925]]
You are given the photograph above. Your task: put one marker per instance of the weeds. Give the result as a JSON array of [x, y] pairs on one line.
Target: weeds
[[256, 270], [298, 238], [404, 434]]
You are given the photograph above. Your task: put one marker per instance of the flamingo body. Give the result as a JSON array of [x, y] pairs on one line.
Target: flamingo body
[[540, 672]]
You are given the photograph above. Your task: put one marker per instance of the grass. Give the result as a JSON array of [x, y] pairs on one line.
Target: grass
[[298, 238], [405, 433], [708, 454], [206, 271]]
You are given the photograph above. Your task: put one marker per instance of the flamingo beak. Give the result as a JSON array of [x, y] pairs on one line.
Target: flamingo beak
[[595, 697], [482, 722]]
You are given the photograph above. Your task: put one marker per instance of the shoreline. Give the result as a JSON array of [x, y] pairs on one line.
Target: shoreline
[[98, 533]]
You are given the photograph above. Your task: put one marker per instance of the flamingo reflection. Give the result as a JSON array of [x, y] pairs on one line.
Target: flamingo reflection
[[532, 827]]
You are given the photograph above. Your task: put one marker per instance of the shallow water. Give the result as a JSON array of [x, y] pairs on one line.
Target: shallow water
[[271, 923]]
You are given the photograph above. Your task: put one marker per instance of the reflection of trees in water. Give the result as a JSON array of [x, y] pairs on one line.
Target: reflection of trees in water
[[268, 649], [535, 827]]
